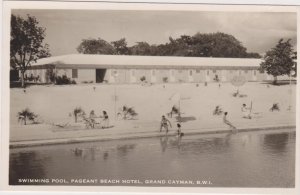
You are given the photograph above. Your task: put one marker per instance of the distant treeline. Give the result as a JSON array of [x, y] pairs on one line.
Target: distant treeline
[[200, 45]]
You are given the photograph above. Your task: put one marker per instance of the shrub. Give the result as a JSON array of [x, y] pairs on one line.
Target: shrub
[[165, 79], [86, 82], [25, 115], [275, 107], [128, 113], [143, 78], [64, 80], [216, 78]]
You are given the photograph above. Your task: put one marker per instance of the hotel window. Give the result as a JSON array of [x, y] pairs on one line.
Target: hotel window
[[230, 71], [246, 71], [114, 73], [172, 72], [74, 73], [254, 72], [132, 72], [214, 71], [191, 73], [197, 70], [153, 72], [208, 72], [179, 71], [240, 72]]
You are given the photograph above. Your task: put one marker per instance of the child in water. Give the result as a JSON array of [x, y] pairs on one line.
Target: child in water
[[179, 133]]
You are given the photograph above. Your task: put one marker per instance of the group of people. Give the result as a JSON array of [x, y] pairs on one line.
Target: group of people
[[91, 121], [165, 123], [246, 113]]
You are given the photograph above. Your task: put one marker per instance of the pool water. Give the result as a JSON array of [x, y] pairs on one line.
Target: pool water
[[250, 159]]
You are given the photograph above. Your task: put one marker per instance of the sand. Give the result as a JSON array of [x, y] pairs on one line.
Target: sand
[[53, 104]]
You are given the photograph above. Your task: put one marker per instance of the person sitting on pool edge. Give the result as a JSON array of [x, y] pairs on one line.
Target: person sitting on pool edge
[[225, 120], [246, 111]]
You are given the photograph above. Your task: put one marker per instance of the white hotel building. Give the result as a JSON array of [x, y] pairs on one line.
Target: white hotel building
[[155, 69]]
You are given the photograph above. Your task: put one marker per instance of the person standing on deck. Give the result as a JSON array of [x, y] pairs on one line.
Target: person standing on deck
[[92, 118], [105, 119]]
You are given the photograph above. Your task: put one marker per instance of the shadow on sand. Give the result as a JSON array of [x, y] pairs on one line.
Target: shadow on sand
[[184, 119]]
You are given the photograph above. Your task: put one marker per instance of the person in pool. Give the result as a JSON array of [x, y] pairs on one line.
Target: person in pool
[[165, 124]]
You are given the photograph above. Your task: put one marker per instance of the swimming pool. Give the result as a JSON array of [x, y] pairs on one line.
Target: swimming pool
[[250, 159]]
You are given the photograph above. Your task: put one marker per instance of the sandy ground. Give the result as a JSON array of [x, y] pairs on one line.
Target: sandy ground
[[54, 104]]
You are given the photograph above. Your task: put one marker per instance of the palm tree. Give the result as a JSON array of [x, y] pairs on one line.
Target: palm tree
[[26, 114], [76, 112], [129, 112]]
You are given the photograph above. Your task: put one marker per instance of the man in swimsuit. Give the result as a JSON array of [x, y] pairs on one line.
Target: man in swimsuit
[[165, 124]]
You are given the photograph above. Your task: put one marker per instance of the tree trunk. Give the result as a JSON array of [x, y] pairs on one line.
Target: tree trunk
[[75, 115], [22, 79], [275, 80]]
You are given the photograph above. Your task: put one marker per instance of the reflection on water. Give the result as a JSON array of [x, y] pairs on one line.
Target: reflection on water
[[276, 142], [30, 163], [253, 159]]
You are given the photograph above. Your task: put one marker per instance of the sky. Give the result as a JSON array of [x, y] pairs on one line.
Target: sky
[[65, 29]]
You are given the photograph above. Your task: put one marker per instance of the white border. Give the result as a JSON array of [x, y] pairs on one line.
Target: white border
[[7, 6]]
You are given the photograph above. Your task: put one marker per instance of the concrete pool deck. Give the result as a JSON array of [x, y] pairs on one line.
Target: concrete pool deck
[[43, 134]]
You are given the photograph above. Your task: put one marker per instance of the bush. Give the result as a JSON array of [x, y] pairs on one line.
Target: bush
[[275, 107], [64, 80], [86, 82], [216, 78], [128, 113], [25, 115], [143, 78], [165, 79]]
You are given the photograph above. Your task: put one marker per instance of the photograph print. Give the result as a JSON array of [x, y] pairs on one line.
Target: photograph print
[[153, 98]]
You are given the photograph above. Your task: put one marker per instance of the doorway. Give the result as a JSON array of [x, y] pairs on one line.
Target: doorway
[[100, 74]]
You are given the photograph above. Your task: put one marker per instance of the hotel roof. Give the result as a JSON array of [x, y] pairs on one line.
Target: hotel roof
[[127, 61]]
